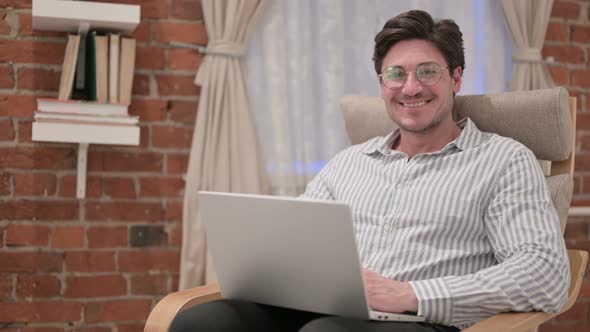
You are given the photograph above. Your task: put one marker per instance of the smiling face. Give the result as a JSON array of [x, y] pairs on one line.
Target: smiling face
[[416, 107]]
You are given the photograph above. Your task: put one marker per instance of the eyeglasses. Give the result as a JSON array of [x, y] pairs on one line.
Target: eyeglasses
[[428, 73]]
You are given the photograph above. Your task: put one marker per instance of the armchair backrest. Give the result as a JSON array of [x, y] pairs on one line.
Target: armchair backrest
[[543, 120]]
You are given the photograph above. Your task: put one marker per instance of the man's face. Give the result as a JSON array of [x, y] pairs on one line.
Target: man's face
[[416, 107]]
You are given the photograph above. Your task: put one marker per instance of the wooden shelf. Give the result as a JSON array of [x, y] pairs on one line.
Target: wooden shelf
[[72, 16]]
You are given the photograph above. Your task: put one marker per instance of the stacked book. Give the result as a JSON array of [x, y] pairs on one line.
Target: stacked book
[[94, 93]]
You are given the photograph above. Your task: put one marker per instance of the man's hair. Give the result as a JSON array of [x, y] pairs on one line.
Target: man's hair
[[417, 24]]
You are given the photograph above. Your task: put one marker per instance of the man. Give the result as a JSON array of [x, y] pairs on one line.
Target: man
[[452, 223]]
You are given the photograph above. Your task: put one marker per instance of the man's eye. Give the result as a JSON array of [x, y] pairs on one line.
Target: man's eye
[[394, 75]]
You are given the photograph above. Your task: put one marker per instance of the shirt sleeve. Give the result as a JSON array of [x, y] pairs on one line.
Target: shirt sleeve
[[318, 187], [533, 267]]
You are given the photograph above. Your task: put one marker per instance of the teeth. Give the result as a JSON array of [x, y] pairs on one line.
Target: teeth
[[418, 104]]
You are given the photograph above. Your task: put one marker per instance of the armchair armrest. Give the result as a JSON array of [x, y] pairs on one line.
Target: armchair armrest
[[166, 309], [164, 312]]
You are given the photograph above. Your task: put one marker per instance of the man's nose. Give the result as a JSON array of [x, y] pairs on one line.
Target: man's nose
[[412, 85]]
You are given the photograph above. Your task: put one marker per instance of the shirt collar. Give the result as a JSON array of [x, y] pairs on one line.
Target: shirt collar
[[470, 137]]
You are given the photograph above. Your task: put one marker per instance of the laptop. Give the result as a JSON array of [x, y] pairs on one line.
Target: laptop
[[287, 252]]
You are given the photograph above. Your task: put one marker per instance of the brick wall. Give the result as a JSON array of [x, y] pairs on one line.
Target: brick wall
[[101, 263], [568, 41], [98, 264]]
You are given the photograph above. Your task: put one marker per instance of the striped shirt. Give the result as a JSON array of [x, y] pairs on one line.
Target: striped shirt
[[472, 226]]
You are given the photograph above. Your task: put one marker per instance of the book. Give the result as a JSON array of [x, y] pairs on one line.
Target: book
[[108, 119], [113, 68], [126, 69], [80, 107], [90, 59], [81, 64], [68, 69], [53, 131], [102, 68], [97, 67]]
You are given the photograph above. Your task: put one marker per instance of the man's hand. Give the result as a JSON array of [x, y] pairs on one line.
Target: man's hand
[[388, 295]]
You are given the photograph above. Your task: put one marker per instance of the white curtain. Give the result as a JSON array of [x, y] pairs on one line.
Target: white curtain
[[225, 152], [306, 54], [527, 21]]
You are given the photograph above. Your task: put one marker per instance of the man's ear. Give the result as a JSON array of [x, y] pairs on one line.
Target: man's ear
[[457, 79]]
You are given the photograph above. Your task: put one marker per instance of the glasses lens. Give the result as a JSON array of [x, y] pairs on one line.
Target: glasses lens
[[394, 77], [428, 73]]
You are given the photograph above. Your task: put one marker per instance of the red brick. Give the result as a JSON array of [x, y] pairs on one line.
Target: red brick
[[6, 130], [38, 79], [186, 9], [585, 289], [4, 184], [130, 328], [67, 237], [149, 260], [148, 109], [18, 105], [49, 311], [25, 27], [184, 59], [583, 121], [25, 131], [173, 211], [86, 328], [557, 31], [161, 187], [581, 77], [190, 33], [39, 210], [90, 261], [565, 9], [30, 51], [119, 187], [96, 286], [183, 111], [116, 311], [149, 58], [27, 235], [107, 237], [564, 53], [18, 4], [67, 187], [144, 136], [578, 312], [37, 286], [556, 326], [580, 33], [175, 237], [149, 284], [34, 184], [6, 286], [7, 75], [120, 161], [38, 158], [172, 137], [177, 85], [578, 183], [176, 163], [560, 75], [578, 231], [5, 26], [141, 85], [124, 211], [142, 32], [42, 329], [30, 262]]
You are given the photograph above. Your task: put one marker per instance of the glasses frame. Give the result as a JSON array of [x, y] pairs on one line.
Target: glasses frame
[[412, 71]]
